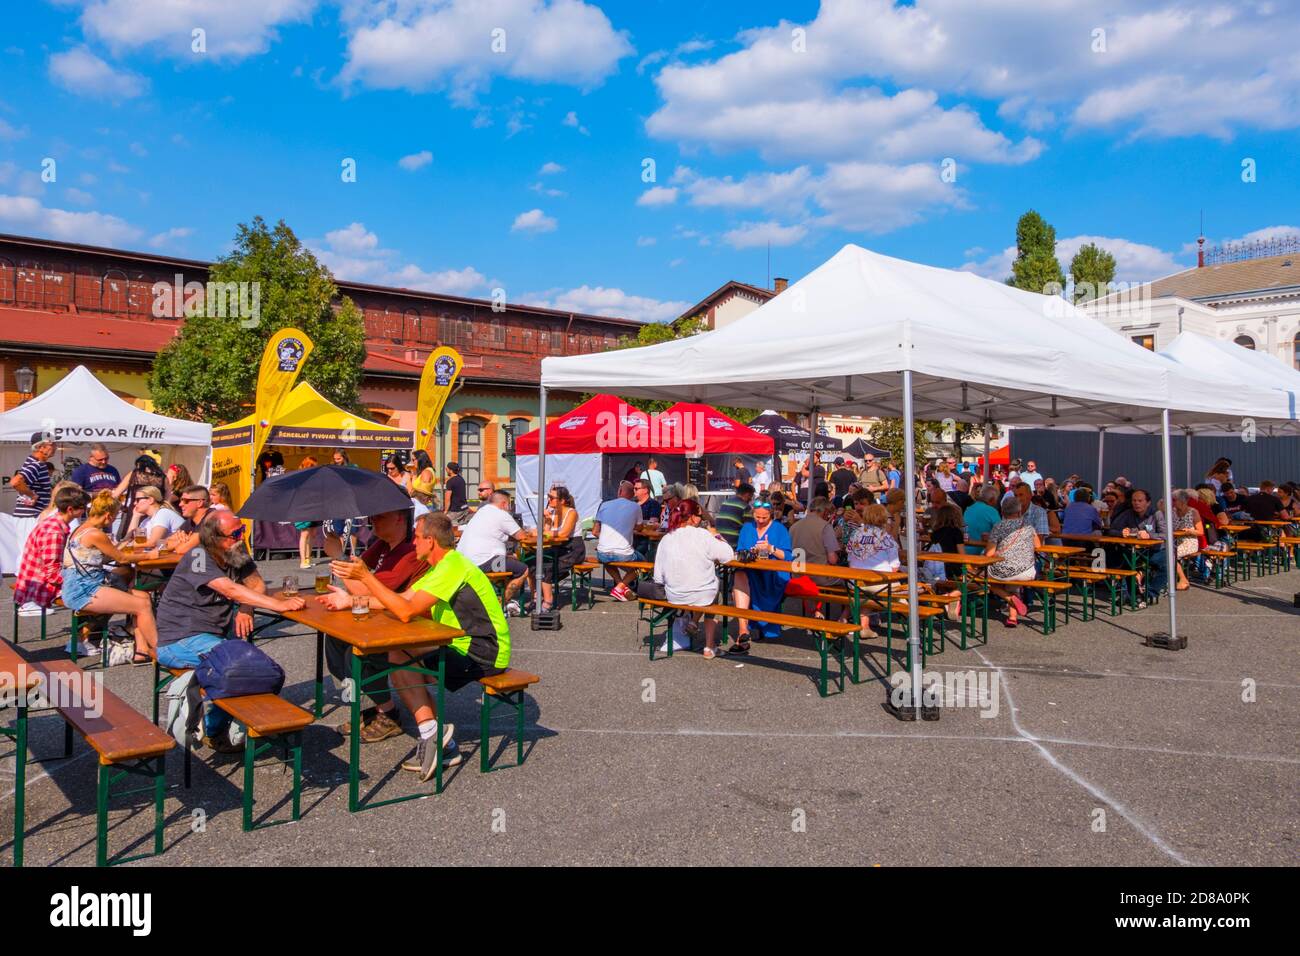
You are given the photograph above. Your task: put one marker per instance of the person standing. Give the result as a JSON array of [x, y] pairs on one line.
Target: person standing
[[762, 477], [453, 496], [96, 474], [741, 474], [872, 477], [32, 481], [734, 513], [654, 476], [841, 478]]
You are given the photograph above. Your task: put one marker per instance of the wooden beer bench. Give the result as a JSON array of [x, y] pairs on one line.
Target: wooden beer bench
[[508, 689], [1049, 591]]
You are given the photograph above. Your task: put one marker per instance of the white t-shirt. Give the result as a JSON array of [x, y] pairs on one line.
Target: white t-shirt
[[617, 518], [165, 518], [685, 565], [486, 534], [1029, 477]]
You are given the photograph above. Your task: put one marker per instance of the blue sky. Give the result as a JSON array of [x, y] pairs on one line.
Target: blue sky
[[504, 143]]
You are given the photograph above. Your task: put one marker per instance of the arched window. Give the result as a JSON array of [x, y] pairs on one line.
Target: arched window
[[1295, 352], [469, 450], [1245, 341]]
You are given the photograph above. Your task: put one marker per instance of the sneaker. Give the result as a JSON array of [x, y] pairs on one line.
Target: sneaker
[[422, 760], [380, 728], [1142, 605], [84, 648], [618, 592], [30, 610], [222, 745], [367, 715]]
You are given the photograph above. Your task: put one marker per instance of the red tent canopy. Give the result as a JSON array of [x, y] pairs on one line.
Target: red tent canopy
[[702, 429], [604, 423], [998, 456]]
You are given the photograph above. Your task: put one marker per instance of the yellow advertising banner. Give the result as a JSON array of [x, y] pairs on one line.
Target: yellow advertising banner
[[436, 381], [282, 360]]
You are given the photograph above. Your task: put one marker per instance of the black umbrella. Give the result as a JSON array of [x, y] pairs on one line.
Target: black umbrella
[[788, 437], [322, 494], [860, 449]]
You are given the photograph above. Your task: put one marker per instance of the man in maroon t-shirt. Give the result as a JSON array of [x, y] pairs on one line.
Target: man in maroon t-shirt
[[392, 558]]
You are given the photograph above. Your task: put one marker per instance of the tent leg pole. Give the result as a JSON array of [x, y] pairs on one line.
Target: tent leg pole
[[988, 466], [541, 500], [1171, 554], [909, 515], [812, 461], [1101, 458], [1187, 437]]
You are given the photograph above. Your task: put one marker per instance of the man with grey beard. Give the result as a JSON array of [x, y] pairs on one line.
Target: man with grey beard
[[216, 585]]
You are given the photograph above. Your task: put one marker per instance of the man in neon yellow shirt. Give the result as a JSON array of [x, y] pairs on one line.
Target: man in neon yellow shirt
[[455, 593]]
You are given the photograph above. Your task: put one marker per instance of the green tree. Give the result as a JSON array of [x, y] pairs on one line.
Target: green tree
[[889, 434], [209, 371], [1093, 269], [652, 333], [1036, 266]]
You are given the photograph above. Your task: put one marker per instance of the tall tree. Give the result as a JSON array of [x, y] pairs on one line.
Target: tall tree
[[1036, 266], [1093, 269], [209, 371]]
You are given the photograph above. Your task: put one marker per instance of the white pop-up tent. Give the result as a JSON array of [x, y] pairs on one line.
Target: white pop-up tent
[[869, 334], [80, 411]]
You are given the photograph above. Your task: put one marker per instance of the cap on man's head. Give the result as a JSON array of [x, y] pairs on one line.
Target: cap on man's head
[[41, 438], [839, 461]]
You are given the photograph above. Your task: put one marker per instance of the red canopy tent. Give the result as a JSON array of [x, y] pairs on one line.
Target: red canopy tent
[[701, 429], [602, 424], [998, 456]]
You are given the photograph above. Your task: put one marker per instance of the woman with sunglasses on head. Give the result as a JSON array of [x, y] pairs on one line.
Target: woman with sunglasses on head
[[561, 521], [86, 588]]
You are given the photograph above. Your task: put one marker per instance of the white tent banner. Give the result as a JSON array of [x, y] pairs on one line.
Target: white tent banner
[[579, 473], [76, 413]]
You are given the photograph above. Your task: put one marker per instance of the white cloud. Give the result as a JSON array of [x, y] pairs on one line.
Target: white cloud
[[354, 254], [751, 234], [547, 191], [449, 44], [1257, 235], [550, 169], [10, 132], [137, 149], [234, 28], [170, 236], [658, 196], [643, 241], [571, 119], [534, 220], [28, 215], [80, 197], [80, 71], [599, 300], [1134, 261], [416, 160]]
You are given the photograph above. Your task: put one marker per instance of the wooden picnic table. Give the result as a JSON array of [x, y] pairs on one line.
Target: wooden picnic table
[[379, 632]]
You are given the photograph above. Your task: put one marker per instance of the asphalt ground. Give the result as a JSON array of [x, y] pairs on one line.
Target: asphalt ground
[[1102, 752]]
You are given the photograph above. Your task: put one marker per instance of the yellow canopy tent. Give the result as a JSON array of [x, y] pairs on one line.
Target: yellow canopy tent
[[306, 424]]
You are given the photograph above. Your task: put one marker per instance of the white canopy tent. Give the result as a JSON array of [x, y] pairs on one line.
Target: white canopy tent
[[77, 412], [873, 335]]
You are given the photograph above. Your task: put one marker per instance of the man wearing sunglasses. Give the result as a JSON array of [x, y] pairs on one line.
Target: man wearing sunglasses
[[195, 506], [213, 590]]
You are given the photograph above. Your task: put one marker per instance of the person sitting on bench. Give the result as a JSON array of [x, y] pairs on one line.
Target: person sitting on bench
[[455, 594], [40, 575], [391, 557], [1014, 542], [685, 565], [613, 526], [199, 605], [485, 539]]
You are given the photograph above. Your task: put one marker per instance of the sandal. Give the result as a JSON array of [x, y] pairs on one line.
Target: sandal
[[1010, 621], [139, 660], [1020, 606], [710, 653], [739, 647]]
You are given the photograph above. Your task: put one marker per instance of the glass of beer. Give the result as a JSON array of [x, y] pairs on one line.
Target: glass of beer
[[323, 579], [360, 607], [141, 538], [290, 586]]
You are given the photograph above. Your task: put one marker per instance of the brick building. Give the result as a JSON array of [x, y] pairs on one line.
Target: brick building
[[63, 305]]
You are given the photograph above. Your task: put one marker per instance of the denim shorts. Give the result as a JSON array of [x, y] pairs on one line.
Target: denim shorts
[[605, 557]]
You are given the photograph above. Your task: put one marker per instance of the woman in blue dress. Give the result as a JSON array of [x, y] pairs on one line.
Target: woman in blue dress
[[761, 590]]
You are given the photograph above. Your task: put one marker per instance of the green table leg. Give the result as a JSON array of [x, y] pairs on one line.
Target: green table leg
[[442, 674], [20, 780], [320, 675], [354, 740]]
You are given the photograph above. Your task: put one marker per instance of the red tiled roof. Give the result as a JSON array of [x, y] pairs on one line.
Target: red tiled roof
[[83, 331], [717, 294]]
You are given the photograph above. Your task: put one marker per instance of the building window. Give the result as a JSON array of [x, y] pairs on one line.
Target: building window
[[1245, 341], [498, 333], [469, 450], [518, 426], [1295, 360], [1148, 341]]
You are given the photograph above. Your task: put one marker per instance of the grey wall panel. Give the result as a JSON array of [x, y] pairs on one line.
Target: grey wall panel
[[1137, 457]]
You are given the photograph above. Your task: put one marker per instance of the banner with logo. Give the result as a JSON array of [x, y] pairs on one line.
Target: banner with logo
[[436, 381], [282, 360]]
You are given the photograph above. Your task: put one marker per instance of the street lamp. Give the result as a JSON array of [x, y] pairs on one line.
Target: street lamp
[[25, 379]]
